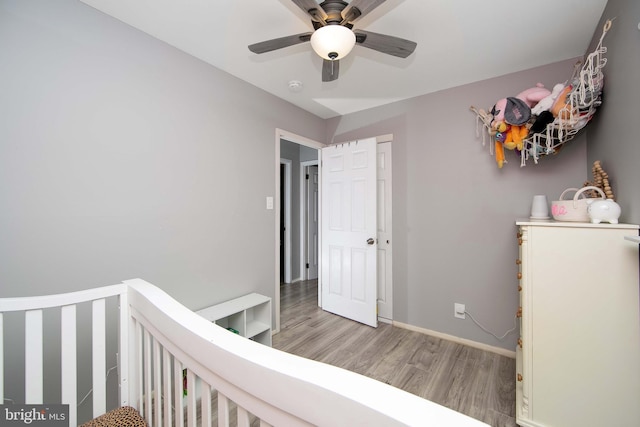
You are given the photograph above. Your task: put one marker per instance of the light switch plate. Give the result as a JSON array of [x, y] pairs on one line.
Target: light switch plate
[[269, 202]]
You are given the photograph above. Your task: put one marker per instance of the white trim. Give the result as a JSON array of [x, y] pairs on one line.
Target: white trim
[[287, 219], [303, 218], [463, 341], [292, 137]]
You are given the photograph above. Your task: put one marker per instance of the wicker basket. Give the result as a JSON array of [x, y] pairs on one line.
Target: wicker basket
[[574, 210]]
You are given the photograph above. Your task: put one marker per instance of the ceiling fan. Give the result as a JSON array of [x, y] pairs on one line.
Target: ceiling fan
[[334, 38]]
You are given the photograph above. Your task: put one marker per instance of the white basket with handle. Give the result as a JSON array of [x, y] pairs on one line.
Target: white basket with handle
[[576, 209]]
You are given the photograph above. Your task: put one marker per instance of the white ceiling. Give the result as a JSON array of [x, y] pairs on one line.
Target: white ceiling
[[459, 42]]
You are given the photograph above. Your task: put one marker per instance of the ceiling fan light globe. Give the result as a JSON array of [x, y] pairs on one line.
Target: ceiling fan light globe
[[333, 41]]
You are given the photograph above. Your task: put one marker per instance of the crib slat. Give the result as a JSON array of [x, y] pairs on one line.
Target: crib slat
[[157, 382], [98, 353], [166, 388], [243, 417], [139, 357], [205, 403], [178, 384], [124, 326], [191, 399], [147, 377], [33, 357], [68, 360], [223, 410]]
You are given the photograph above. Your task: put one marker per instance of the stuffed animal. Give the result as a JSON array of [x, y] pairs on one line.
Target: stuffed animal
[[500, 154], [560, 107], [516, 110], [511, 110], [534, 95], [514, 137], [547, 102], [500, 137], [540, 125]]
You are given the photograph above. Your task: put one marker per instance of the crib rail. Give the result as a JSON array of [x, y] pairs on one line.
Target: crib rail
[[179, 369], [33, 309]]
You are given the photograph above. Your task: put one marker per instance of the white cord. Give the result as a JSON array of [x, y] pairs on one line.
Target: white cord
[[515, 325], [89, 392]]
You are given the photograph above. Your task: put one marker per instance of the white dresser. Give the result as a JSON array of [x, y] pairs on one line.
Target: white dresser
[[578, 357]]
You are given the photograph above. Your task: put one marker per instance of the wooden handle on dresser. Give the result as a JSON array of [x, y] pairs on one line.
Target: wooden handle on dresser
[[520, 342], [519, 377], [519, 275], [519, 312], [519, 288], [518, 235], [519, 242], [518, 261]]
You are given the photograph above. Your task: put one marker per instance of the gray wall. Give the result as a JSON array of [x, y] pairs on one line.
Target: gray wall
[[123, 157], [613, 136], [454, 210]]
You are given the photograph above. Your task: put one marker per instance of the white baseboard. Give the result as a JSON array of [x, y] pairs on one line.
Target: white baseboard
[[385, 320], [475, 344]]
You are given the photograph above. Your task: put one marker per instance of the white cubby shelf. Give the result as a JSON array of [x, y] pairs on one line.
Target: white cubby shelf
[[249, 315]]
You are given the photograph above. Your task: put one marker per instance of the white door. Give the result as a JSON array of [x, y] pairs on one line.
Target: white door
[[385, 273], [312, 221], [348, 230]]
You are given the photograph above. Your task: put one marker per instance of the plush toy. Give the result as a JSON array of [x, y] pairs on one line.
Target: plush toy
[[540, 125], [534, 95], [499, 154], [547, 102], [500, 136], [516, 110], [560, 107], [514, 137], [511, 110]]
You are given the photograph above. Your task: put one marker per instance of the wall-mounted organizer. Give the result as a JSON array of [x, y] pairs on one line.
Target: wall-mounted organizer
[[542, 125], [248, 316]]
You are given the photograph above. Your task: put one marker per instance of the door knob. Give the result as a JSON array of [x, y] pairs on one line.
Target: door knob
[[370, 241]]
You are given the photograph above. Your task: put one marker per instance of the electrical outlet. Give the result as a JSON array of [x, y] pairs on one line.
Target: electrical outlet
[[459, 311]]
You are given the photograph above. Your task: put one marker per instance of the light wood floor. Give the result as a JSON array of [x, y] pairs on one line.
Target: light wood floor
[[475, 382]]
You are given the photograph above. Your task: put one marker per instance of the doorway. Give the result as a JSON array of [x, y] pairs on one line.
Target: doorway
[[284, 204], [282, 135], [309, 219], [293, 256]]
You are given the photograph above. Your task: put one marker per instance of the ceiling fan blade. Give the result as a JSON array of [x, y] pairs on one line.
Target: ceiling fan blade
[[386, 44], [359, 8], [273, 44], [313, 9], [330, 70]]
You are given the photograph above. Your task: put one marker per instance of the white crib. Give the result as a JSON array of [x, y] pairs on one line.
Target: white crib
[[159, 340]]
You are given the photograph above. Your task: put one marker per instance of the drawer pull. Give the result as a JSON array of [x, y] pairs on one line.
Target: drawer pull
[[519, 242], [519, 275], [518, 235], [520, 377], [519, 312], [520, 342], [518, 261], [519, 288]]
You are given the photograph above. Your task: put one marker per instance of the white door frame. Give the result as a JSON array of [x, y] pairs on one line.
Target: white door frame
[[287, 219], [303, 217], [301, 140]]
